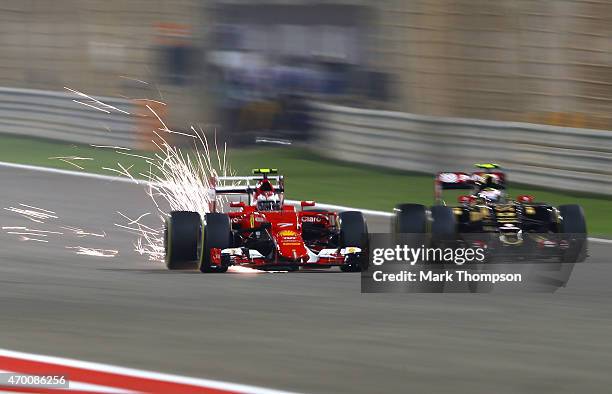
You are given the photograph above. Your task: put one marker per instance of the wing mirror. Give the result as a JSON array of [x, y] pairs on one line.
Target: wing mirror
[[237, 204], [525, 198], [307, 204]]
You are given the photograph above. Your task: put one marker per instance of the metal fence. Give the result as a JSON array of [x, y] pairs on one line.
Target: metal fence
[[57, 115], [547, 156]]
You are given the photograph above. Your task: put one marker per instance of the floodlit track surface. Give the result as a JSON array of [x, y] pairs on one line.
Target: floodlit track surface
[[307, 331]]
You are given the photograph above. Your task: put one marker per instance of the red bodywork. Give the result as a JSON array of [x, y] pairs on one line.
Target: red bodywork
[[285, 237]]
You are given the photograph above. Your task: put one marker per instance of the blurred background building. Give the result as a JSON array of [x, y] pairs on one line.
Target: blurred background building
[[240, 65]]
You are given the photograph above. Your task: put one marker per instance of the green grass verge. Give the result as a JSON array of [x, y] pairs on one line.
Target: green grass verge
[[307, 177]]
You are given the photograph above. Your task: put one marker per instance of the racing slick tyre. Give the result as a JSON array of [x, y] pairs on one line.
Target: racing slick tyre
[[443, 234], [181, 237], [409, 226], [217, 234], [476, 286], [443, 224], [410, 218], [574, 223], [354, 232], [572, 229]]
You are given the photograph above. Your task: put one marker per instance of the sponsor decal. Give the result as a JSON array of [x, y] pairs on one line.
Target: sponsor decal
[[292, 243], [288, 233], [312, 219]]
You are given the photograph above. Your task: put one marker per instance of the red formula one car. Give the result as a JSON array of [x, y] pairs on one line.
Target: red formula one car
[[263, 232]]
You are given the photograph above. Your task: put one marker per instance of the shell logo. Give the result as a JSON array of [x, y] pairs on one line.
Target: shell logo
[[287, 233]]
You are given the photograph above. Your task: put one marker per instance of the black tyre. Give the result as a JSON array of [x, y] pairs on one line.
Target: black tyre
[[480, 286], [354, 232], [549, 277], [443, 234], [181, 237], [410, 219], [573, 224], [410, 225], [443, 224], [217, 234]]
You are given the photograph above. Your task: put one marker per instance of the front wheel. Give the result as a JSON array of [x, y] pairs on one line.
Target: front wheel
[[573, 226], [217, 234], [181, 237]]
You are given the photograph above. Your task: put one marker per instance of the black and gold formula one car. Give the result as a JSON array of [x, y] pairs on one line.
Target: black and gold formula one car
[[509, 230]]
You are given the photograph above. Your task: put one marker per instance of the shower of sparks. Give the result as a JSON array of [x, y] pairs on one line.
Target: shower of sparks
[[95, 101], [176, 179], [70, 160], [181, 180], [246, 270], [15, 229], [134, 79], [37, 208], [34, 214], [79, 232], [26, 234], [93, 251], [133, 155], [151, 101], [25, 239], [110, 147], [72, 164], [91, 106], [123, 171], [134, 221]]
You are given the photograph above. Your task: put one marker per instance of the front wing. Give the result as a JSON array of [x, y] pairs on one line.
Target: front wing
[[252, 257]]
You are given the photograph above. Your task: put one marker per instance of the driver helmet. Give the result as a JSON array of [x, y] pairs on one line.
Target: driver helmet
[[490, 195], [488, 181], [268, 201]]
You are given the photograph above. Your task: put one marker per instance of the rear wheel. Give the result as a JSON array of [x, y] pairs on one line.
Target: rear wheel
[[354, 232], [217, 234], [181, 237]]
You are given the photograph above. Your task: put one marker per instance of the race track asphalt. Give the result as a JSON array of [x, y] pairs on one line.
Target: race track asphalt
[[305, 332]]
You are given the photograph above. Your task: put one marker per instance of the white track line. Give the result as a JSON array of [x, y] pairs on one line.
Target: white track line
[[142, 182], [69, 172], [205, 383]]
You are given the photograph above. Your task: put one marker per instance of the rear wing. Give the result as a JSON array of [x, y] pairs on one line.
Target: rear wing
[[243, 185], [463, 181]]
